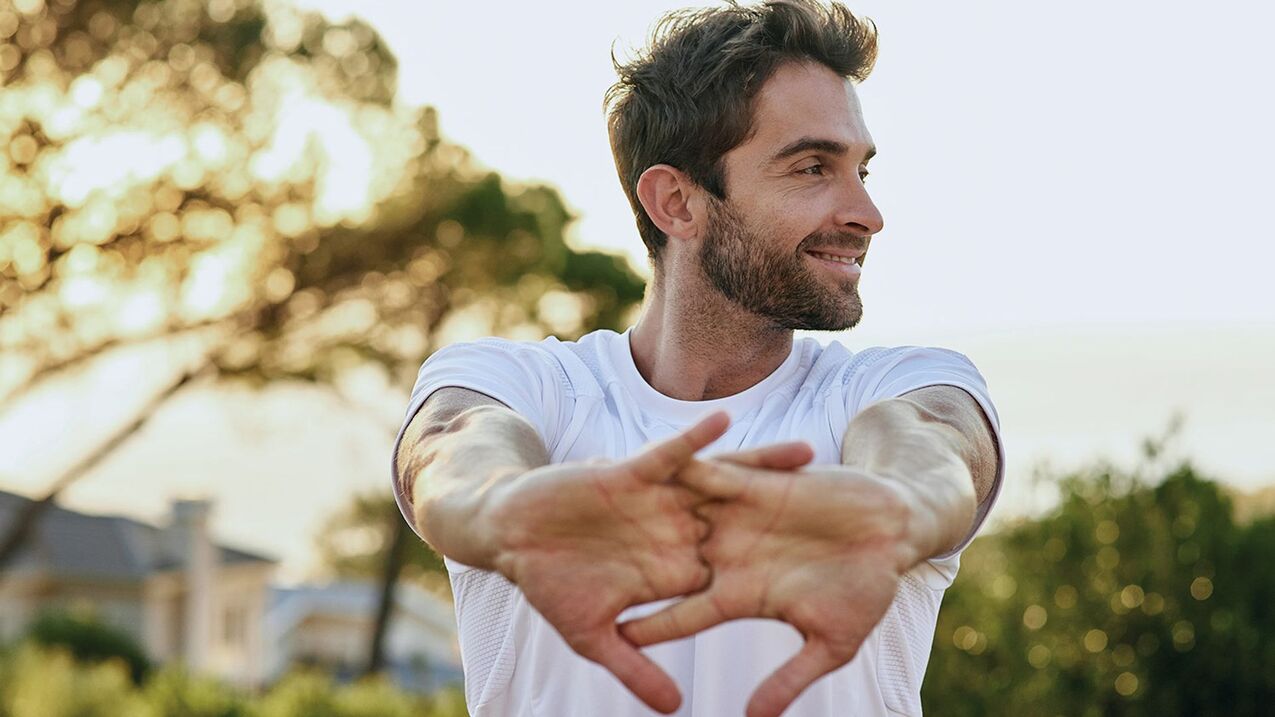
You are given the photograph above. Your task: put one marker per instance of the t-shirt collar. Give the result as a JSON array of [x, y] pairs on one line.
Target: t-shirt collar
[[684, 412]]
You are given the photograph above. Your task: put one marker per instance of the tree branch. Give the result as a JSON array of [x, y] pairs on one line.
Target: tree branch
[[30, 513]]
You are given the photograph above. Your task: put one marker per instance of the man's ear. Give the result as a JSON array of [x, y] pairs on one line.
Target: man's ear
[[672, 201]]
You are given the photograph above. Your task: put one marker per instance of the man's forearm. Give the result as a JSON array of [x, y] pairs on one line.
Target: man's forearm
[[896, 440], [453, 464]]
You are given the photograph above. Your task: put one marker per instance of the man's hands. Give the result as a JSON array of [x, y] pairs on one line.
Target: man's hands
[[585, 541], [820, 550], [743, 535]]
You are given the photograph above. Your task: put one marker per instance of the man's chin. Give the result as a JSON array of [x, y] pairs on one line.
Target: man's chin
[[842, 321], [845, 325], [846, 320]]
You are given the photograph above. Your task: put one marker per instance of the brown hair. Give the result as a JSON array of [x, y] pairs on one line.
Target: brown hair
[[687, 99]]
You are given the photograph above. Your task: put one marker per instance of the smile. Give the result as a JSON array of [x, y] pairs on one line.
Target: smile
[[843, 265]]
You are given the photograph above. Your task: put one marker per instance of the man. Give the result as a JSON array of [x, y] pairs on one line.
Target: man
[[702, 514]]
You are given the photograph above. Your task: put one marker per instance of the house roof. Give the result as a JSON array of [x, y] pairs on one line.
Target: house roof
[[65, 543], [356, 597], [288, 608]]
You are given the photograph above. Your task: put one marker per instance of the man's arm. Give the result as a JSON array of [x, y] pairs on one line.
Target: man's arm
[[801, 546], [583, 541], [470, 445], [939, 447]]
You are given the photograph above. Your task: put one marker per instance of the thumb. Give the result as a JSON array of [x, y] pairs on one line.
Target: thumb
[[787, 683], [659, 462]]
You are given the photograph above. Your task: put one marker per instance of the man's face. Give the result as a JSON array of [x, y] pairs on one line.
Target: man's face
[[795, 199]]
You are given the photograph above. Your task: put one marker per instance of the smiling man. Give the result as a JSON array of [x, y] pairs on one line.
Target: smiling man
[[702, 515]]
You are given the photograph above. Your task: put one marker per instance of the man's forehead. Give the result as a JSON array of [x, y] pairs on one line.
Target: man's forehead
[[802, 102]]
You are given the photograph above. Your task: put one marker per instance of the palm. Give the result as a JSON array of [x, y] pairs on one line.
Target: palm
[[813, 549], [585, 541], [593, 540]]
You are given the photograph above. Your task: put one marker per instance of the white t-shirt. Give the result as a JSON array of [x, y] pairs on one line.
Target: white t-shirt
[[587, 400]]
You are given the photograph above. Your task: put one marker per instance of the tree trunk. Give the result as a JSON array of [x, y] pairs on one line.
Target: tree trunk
[[389, 584]]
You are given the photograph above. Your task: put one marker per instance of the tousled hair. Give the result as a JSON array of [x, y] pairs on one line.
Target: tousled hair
[[687, 99]]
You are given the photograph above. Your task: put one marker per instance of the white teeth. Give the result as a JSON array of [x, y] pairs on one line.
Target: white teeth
[[830, 257]]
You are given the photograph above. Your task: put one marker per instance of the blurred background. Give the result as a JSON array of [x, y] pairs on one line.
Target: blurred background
[[231, 230]]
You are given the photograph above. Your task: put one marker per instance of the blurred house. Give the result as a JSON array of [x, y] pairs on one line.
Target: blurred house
[[329, 626], [180, 595]]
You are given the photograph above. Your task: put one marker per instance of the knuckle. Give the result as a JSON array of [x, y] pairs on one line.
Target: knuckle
[[694, 576], [703, 577], [687, 529], [713, 549], [703, 529], [584, 643]]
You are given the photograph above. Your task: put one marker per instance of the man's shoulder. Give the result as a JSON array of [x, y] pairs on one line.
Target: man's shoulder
[[834, 361], [849, 361], [577, 363], [867, 371], [548, 348], [549, 345]]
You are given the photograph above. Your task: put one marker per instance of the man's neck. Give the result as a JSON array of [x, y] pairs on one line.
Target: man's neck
[[693, 344]]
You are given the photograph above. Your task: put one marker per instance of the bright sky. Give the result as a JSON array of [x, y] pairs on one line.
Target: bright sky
[[1074, 197], [1039, 164]]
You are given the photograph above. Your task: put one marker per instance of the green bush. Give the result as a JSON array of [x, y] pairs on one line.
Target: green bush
[[309, 693], [174, 692], [90, 641], [1134, 597], [38, 682]]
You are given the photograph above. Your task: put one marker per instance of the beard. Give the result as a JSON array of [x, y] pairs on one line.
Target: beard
[[745, 268]]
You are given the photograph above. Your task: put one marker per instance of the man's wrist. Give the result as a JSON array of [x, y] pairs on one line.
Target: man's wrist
[[470, 527], [938, 515]]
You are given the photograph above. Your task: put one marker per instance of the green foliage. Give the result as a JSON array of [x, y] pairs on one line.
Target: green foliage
[[90, 640], [41, 682], [1132, 598], [174, 692], [36, 682], [310, 694]]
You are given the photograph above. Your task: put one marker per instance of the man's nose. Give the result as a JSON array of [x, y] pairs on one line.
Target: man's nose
[[858, 212]]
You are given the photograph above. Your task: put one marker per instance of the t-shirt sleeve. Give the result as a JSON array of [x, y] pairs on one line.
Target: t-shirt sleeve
[[890, 373], [524, 376]]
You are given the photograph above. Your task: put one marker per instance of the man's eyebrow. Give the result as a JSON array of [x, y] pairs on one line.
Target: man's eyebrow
[[827, 146]]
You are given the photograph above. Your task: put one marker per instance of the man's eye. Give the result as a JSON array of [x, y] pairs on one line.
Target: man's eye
[[814, 169], [863, 175]]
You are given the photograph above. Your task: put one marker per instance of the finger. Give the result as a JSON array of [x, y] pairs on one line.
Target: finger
[[712, 512], [685, 498], [681, 619], [703, 529], [637, 672], [777, 456], [714, 480], [661, 461], [780, 689]]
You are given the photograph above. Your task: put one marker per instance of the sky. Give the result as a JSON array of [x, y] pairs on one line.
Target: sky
[[1091, 163], [1074, 197]]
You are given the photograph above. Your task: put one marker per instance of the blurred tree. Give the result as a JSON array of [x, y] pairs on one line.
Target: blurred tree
[[1138, 595], [369, 540], [353, 541], [89, 640], [236, 175]]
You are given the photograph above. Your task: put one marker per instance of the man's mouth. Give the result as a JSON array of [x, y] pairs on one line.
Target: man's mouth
[[839, 258], [844, 264]]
